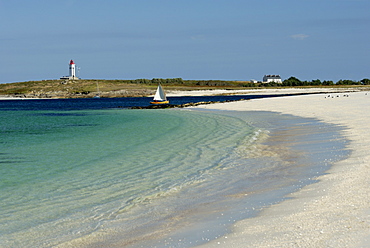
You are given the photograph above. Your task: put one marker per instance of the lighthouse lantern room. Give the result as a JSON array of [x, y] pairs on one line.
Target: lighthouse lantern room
[[72, 71]]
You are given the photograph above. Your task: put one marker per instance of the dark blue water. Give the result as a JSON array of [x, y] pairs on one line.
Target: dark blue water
[[109, 103]]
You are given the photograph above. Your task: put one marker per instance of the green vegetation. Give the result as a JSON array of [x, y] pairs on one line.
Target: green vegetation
[[108, 88], [292, 81], [146, 87]]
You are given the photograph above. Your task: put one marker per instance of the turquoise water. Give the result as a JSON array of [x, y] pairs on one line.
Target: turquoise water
[[113, 178], [65, 174]]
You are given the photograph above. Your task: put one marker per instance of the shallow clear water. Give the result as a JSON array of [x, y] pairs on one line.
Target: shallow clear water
[[72, 171], [128, 176]]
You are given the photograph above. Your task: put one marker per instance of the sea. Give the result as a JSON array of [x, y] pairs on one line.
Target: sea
[[95, 173]]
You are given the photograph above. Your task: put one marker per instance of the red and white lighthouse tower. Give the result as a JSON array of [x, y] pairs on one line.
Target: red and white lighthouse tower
[[72, 71]]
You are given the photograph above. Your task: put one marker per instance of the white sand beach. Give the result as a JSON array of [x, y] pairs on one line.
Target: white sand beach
[[334, 212], [263, 91], [6, 97], [3, 97]]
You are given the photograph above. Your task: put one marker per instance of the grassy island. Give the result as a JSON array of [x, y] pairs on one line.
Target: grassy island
[[86, 88]]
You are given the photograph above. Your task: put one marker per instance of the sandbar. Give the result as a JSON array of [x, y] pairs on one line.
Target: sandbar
[[334, 212]]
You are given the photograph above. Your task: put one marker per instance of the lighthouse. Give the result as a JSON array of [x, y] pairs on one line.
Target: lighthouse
[[72, 71]]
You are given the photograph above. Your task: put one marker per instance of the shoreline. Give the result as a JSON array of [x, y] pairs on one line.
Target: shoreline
[[334, 212], [263, 91]]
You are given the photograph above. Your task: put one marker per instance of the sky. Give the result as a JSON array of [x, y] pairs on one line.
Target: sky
[[189, 39]]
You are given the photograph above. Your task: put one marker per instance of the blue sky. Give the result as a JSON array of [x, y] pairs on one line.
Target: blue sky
[[190, 39]]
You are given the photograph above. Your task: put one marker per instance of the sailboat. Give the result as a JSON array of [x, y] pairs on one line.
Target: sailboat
[[160, 96]]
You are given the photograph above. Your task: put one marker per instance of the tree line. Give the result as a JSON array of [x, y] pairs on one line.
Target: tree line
[[290, 82], [180, 81], [293, 81]]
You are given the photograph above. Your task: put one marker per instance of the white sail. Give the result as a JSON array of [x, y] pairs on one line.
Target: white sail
[[159, 94]]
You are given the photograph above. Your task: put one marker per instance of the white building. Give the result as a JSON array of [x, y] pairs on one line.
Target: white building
[[272, 78], [72, 71]]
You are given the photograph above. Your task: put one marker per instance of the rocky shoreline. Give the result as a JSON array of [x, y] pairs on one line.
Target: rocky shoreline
[[191, 104]]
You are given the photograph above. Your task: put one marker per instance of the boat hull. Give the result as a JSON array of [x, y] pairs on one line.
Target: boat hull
[[160, 102]]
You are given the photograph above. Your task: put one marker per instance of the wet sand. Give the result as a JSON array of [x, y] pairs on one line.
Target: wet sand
[[334, 212]]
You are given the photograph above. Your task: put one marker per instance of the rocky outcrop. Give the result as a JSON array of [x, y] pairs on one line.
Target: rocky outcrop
[[191, 104]]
